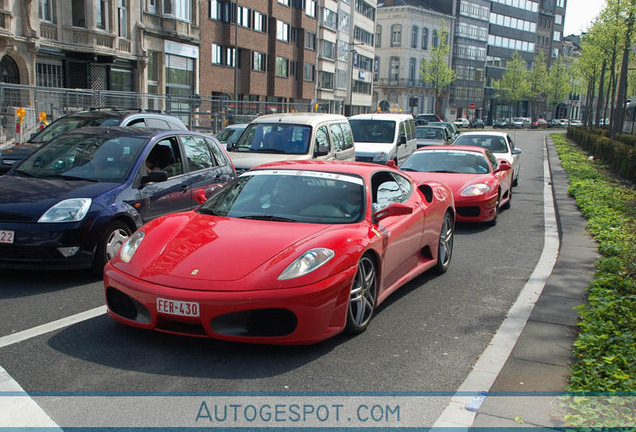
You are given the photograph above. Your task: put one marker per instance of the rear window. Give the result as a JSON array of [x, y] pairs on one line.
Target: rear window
[[373, 131]]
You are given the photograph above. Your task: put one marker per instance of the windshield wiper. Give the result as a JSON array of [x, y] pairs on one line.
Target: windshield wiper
[[269, 218], [409, 169], [68, 177], [26, 174], [207, 211]]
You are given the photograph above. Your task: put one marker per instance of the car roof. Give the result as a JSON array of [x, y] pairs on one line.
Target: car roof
[[484, 133], [118, 131], [381, 116], [331, 166], [467, 148], [310, 119]]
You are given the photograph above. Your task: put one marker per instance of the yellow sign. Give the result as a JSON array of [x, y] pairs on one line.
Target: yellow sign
[[42, 116], [20, 113]]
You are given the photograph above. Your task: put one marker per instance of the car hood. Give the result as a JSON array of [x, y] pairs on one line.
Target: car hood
[[457, 182], [372, 148], [247, 160], [33, 196], [20, 151], [193, 247]]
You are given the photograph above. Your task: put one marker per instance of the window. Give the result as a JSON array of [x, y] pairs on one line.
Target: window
[[47, 10], [310, 8], [284, 2], [557, 36], [260, 22], [197, 153], [326, 80], [328, 50], [101, 19], [424, 38], [378, 36], [152, 6], [122, 16], [282, 31], [78, 13], [338, 137], [414, 36], [396, 35], [282, 67], [322, 138], [230, 56], [180, 9], [310, 40], [121, 80], [217, 54], [435, 38], [363, 36], [329, 19], [243, 17], [558, 19], [412, 68], [258, 61], [394, 72], [309, 72], [49, 75], [344, 24], [365, 9]]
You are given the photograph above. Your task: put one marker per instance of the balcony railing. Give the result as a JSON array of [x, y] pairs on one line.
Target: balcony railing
[[48, 31], [401, 82]]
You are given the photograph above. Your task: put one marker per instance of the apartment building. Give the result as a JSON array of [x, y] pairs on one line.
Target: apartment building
[[469, 58], [406, 32], [259, 50]]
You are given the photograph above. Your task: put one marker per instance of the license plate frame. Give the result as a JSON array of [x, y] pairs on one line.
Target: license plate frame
[[178, 308]]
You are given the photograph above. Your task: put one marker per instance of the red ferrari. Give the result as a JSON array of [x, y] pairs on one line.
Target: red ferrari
[[481, 183], [288, 253]]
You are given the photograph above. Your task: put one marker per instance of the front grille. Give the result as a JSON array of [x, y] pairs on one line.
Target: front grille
[[471, 211], [15, 217], [364, 158], [12, 252]]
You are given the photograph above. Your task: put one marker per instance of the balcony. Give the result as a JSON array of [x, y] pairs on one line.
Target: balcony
[[49, 31]]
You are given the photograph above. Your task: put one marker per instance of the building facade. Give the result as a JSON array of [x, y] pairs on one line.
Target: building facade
[[405, 35]]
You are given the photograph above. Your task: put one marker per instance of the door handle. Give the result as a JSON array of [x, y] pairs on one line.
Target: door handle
[[184, 188]]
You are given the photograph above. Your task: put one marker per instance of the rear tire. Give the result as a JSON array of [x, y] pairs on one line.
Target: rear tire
[[111, 240]]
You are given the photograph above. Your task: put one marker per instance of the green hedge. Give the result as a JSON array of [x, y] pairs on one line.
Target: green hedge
[[605, 349], [619, 154]]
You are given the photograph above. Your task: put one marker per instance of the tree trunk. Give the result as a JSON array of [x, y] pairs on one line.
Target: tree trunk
[[599, 102], [617, 124]]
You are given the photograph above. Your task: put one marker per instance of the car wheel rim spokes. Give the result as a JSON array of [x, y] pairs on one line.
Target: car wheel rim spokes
[[115, 241], [446, 241], [362, 300]]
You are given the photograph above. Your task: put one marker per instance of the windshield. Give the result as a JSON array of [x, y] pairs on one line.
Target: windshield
[[496, 144], [85, 157], [290, 196], [450, 161], [277, 138], [70, 123], [424, 132], [225, 134], [373, 131]]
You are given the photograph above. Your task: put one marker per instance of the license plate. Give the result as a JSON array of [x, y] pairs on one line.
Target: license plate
[[6, 236], [175, 307]]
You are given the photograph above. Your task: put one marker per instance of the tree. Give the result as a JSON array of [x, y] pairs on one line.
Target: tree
[[514, 84], [538, 80], [436, 71], [558, 82]]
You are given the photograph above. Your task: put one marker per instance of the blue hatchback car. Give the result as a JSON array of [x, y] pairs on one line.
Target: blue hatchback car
[[77, 199]]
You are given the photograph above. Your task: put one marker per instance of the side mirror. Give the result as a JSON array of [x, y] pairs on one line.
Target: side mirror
[[517, 151], [199, 196], [402, 139], [503, 166], [321, 150], [391, 164], [155, 177], [395, 209]]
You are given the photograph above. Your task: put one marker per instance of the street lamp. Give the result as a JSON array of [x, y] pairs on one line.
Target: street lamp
[[354, 60]]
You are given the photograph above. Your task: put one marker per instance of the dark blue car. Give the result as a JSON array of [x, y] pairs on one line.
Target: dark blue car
[[77, 199]]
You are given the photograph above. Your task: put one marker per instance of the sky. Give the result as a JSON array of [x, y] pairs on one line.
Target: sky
[[579, 15]]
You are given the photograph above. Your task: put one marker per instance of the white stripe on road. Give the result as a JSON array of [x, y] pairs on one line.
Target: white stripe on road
[[496, 354], [49, 327]]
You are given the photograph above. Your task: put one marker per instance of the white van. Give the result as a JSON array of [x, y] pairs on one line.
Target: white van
[[297, 136], [380, 138]]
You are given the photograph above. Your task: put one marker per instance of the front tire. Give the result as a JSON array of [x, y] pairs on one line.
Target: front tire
[[445, 244], [113, 237], [362, 297]]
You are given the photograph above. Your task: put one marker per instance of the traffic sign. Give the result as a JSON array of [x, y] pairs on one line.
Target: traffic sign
[[472, 106]]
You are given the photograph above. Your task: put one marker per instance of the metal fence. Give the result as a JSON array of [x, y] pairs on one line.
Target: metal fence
[[209, 114]]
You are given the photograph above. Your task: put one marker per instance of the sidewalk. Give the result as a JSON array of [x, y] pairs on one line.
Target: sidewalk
[[540, 360]]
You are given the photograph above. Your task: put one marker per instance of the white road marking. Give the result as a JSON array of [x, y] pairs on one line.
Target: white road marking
[[494, 357], [49, 327]]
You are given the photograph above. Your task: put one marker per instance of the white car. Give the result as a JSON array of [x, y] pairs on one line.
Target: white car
[[522, 123], [500, 145], [461, 123]]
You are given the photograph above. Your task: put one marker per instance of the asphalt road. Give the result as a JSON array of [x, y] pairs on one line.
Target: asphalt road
[[425, 338]]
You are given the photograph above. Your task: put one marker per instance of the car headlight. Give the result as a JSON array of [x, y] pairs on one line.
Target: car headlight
[[380, 157], [307, 262], [70, 210], [130, 247], [476, 189]]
